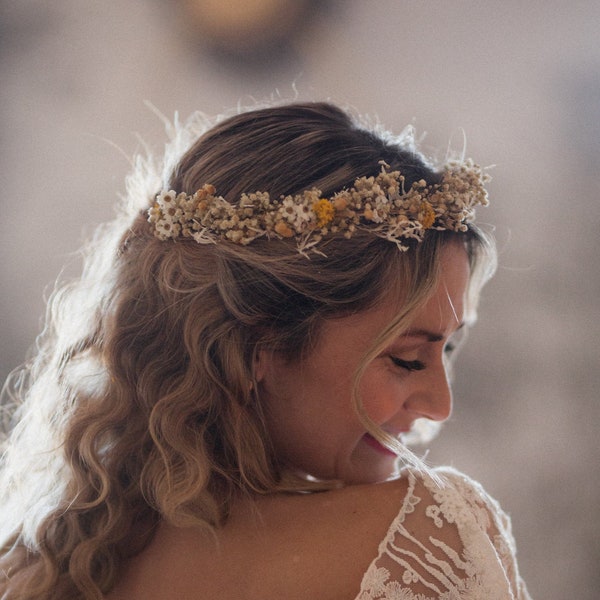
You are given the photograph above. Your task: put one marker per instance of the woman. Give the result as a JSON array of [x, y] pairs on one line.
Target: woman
[[220, 405]]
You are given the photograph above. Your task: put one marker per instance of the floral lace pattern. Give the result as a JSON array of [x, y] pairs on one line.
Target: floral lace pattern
[[450, 541]]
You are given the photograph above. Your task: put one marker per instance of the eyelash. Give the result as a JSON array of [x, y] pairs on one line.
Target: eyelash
[[409, 365], [417, 365]]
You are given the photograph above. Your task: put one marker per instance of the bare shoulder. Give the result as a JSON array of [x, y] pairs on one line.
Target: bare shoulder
[[354, 518], [292, 546], [375, 502]]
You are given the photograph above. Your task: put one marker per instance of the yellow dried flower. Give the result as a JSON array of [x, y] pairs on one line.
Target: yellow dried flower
[[325, 212], [426, 215]]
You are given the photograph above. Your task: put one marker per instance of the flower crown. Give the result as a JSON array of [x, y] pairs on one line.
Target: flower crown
[[380, 204]]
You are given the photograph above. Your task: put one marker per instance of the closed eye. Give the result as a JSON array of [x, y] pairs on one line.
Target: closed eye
[[409, 365]]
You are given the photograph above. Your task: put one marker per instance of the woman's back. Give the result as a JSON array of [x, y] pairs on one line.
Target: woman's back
[[411, 538], [281, 546]]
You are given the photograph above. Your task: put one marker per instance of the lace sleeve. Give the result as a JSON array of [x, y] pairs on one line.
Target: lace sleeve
[[450, 541]]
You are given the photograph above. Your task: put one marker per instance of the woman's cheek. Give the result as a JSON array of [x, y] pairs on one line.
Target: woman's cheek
[[382, 395]]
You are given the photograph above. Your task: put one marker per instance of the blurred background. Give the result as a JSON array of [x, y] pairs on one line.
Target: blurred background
[[522, 79]]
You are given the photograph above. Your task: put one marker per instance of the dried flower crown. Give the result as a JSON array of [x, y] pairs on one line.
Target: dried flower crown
[[380, 204]]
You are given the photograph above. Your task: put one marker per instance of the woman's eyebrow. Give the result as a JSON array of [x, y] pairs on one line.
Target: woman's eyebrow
[[430, 336]]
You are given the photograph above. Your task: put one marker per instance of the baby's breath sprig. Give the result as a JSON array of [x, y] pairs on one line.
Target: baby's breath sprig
[[379, 204]]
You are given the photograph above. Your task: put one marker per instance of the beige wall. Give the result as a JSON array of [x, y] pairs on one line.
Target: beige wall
[[521, 78]]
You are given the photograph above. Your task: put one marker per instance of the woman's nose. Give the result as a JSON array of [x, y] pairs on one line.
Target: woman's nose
[[434, 399]]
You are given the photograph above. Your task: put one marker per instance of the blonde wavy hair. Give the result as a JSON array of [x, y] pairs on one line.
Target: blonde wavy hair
[[140, 403]]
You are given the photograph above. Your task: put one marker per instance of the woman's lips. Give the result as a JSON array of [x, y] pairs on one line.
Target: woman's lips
[[371, 441]]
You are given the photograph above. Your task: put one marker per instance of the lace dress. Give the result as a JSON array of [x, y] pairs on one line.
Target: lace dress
[[450, 541]]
